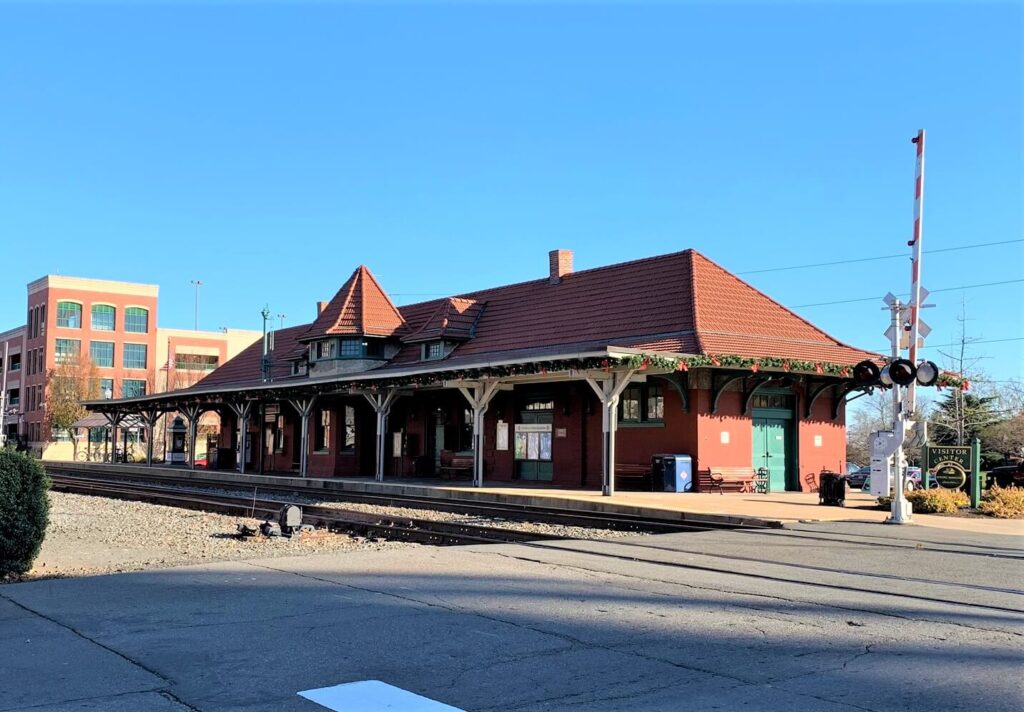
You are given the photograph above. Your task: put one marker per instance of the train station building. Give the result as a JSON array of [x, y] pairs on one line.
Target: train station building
[[575, 379]]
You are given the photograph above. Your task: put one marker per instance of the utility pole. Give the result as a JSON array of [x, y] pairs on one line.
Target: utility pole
[[265, 361], [197, 284], [3, 398]]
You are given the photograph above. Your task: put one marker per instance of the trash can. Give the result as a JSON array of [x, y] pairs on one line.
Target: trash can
[[832, 489], [671, 473]]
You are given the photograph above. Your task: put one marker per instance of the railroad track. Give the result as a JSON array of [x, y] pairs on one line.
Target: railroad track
[[423, 531], [491, 510]]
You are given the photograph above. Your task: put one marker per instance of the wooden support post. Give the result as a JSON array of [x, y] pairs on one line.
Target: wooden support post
[[192, 414], [114, 419], [608, 391], [381, 404], [149, 417], [242, 411], [304, 406], [479, 396]]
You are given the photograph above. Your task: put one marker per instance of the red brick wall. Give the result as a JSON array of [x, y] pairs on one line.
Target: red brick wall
[[830, 454]]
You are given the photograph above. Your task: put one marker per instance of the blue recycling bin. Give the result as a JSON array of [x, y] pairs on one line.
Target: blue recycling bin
[[672, 473]]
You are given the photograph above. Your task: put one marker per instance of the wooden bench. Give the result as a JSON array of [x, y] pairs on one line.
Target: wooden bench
[[734, 479], [454, 466], [634, 475]]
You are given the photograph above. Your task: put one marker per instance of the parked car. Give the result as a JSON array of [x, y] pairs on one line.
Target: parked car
[[1011, 475], [858, 477], [852, 467], [912, 474]]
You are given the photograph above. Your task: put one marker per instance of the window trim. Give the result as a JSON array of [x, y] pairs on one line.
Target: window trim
[[81, 314], [124, 319], [124, 356], [92, 316], [644, 421]]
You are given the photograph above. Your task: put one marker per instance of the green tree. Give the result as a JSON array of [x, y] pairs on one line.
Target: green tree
[[959, 417]]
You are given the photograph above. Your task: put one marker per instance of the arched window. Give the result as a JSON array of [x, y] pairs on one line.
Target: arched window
[[69, 315], [103, 317], [136, 320]]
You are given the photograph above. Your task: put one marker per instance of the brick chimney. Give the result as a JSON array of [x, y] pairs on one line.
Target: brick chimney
[[560, 264], [320, 306]]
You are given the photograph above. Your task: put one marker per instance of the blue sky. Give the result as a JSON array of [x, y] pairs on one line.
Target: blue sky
[[268, 149]]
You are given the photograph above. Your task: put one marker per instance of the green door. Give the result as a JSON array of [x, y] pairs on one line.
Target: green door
[[771, 436]]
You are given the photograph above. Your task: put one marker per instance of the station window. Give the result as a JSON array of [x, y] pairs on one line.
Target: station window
[[433, 350], [136, 320], [642, 403], [67, 349], [134, 355], [350, 429], [103, 317], [325, 350], [102, 353], [133, 388], [773, 400], [351, 348], [69, 315], [322, 432]]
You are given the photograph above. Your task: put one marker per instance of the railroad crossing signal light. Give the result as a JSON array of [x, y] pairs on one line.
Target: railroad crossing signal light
[[927, 373], [866, 373], [900, 372]]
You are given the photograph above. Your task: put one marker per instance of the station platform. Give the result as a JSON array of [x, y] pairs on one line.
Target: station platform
[[774, 509]]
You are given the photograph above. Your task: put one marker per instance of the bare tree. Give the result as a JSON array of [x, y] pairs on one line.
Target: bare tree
[[73, 380]]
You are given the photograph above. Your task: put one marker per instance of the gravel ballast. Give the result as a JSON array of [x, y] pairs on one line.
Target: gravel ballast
[[95, 535]]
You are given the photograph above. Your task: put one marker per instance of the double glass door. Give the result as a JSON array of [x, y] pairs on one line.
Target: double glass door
[[533, 439]]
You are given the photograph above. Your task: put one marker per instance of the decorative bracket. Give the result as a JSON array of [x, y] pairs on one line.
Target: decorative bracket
[[680, 381]]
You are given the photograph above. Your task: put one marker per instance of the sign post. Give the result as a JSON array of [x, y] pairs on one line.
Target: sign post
[[976, 474]]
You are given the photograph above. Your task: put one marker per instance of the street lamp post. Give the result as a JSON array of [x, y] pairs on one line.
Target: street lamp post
[[197, 284]]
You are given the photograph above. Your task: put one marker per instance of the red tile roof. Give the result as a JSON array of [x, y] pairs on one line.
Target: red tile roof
[[453, 319], [677, 303], [360, 308]]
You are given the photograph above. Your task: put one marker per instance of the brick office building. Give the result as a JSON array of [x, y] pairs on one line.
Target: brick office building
[[565, 380], [112, 326]]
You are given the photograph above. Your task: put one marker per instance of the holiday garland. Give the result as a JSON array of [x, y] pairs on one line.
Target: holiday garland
[[640, 362]]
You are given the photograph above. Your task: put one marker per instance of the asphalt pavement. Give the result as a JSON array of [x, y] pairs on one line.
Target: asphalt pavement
[[827, 617]]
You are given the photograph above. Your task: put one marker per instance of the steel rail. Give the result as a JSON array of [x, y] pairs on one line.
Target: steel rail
[[426, 531], [495, 510]]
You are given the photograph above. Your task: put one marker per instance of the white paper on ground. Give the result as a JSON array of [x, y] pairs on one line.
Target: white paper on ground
[[373, 696]]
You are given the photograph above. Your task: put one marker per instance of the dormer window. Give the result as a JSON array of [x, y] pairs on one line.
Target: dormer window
[[434, 350], [346, 348]]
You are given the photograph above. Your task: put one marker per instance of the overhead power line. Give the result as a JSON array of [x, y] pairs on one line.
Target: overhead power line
[[878, 257], [931, 291]]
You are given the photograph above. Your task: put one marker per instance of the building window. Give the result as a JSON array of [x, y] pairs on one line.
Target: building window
[[102, 317], [433, 350], [322, 432], [15, 364], [68, 349], [540, 405], [351, 348], [136, 320], [279, 434], [350, 429], [642, 403], [105, 387], [102, 353], [773, 400], [14, 396], [69, 315], [133, 388], [134, 355], [195, 362], [326, 350]]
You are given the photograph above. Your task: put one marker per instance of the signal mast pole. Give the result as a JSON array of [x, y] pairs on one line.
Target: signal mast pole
[[910, 398]]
